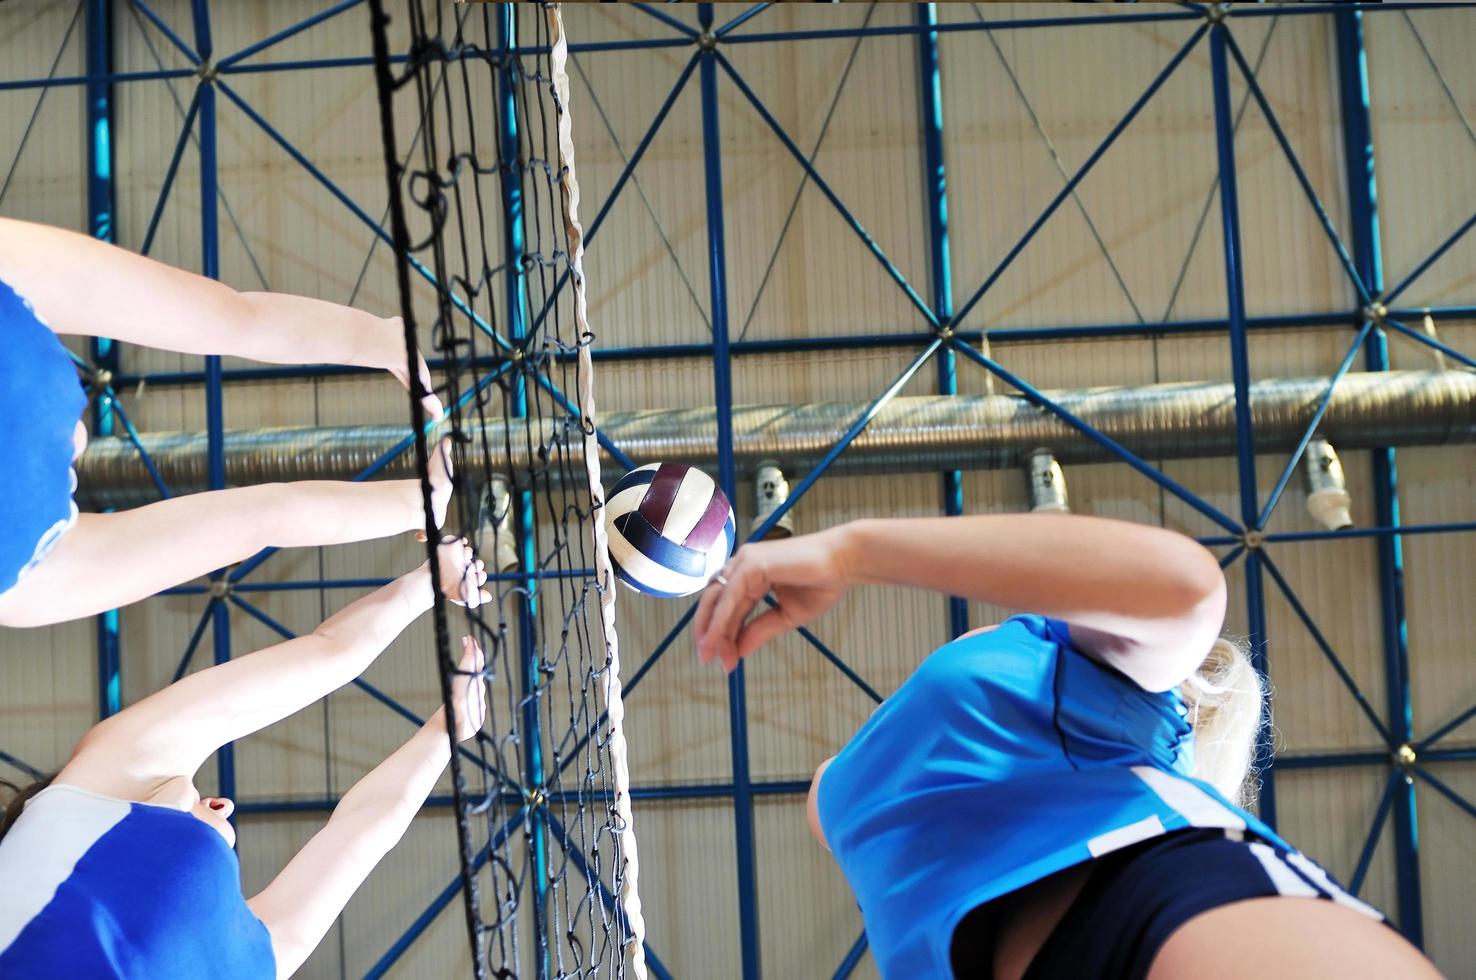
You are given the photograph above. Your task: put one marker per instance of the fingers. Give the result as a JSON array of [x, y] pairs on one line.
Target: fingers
[[473, 710], [705, 606], [746, 586], [761, 630], [430, 401], [463, 574]]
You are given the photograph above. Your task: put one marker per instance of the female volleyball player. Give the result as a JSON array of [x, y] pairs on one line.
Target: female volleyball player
[[119, 868], [1055, 796], [52, 279]]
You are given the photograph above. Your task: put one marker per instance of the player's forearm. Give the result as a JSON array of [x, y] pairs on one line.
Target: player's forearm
[[138, 300], [354, 636], [1114, 576], [380, 806], [302, 903], [279, 328]]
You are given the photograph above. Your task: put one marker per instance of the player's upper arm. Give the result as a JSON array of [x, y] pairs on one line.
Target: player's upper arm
[[1161, 652]]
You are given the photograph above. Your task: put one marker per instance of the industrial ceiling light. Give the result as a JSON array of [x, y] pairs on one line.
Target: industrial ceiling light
[[770, 490], [1047, 484], [1327, 488], [495, 524]]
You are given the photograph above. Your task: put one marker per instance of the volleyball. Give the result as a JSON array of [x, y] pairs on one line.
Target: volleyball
[[671, 528]]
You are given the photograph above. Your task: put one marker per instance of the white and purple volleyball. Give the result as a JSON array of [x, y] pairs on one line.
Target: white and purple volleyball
[[671, 529]]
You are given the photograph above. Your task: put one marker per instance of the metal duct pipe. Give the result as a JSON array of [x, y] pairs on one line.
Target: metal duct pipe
[[1164, 421]]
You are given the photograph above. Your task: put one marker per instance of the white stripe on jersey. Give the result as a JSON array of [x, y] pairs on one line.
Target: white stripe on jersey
[[1149, 826], [1191, 802], [57, 827], [1287, 881], [1320, 877]]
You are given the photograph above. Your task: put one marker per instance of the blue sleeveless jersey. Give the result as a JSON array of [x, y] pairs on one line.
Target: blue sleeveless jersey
[[40, 403], [99, 888], [1004, 758]]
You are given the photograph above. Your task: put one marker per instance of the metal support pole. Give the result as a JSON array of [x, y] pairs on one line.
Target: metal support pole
[[511, 172], [930, 85], [1364, 214], [1255, 596], [225, 759], [100, 224], [722, 377]]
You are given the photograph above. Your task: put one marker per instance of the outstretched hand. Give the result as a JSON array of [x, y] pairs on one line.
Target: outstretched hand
[[469, 690], [462, 573], [807, 575], [392, 347], [442, 472]]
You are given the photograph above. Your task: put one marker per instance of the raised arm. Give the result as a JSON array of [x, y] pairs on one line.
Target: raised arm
[[140, 301], [171, 733], [300, 904], [1148, 601]]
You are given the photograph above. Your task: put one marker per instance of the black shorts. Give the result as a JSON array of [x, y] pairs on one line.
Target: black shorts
[[1137, 897]]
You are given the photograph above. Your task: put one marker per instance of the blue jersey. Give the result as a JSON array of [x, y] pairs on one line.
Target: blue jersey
[[40, 403], [1006, 757], [98, 888]]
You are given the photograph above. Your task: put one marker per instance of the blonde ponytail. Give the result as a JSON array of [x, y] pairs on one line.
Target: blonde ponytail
[[1225, 697]]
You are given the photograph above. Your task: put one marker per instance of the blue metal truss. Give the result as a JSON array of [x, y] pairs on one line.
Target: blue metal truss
[[943, 341]]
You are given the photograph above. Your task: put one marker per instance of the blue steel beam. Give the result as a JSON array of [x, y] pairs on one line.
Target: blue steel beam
[[1291, 157], [1402, 530], [1445, 791], [256, 613], [1431, 342], [20, 146], [171, 171], [1446, 729], [852, 958], [644, 44], [1082, 171], [115, 407], [284, 34], [1429, 260], [22, 765], [1358, 155], [820, 183], [440, 901], [317, 174], [202, 40], [625, 174], [1375, 831], [1312, 424], [606, 897], [510, 175], [255, 561], [722, 378], [110, 78], [741, 19], [940, 268], [1037, 397], [743, 348], [101, 225], [1255, 596], [665, 18], [1328, 652], [207, 616]]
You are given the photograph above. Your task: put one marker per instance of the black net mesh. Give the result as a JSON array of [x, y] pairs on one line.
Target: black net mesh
[[484, 216]]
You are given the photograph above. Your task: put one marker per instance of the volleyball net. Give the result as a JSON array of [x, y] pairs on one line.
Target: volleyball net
[[484, 199]]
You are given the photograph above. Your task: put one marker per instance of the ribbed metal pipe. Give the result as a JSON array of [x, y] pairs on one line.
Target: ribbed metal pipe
[[1164, 421]]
